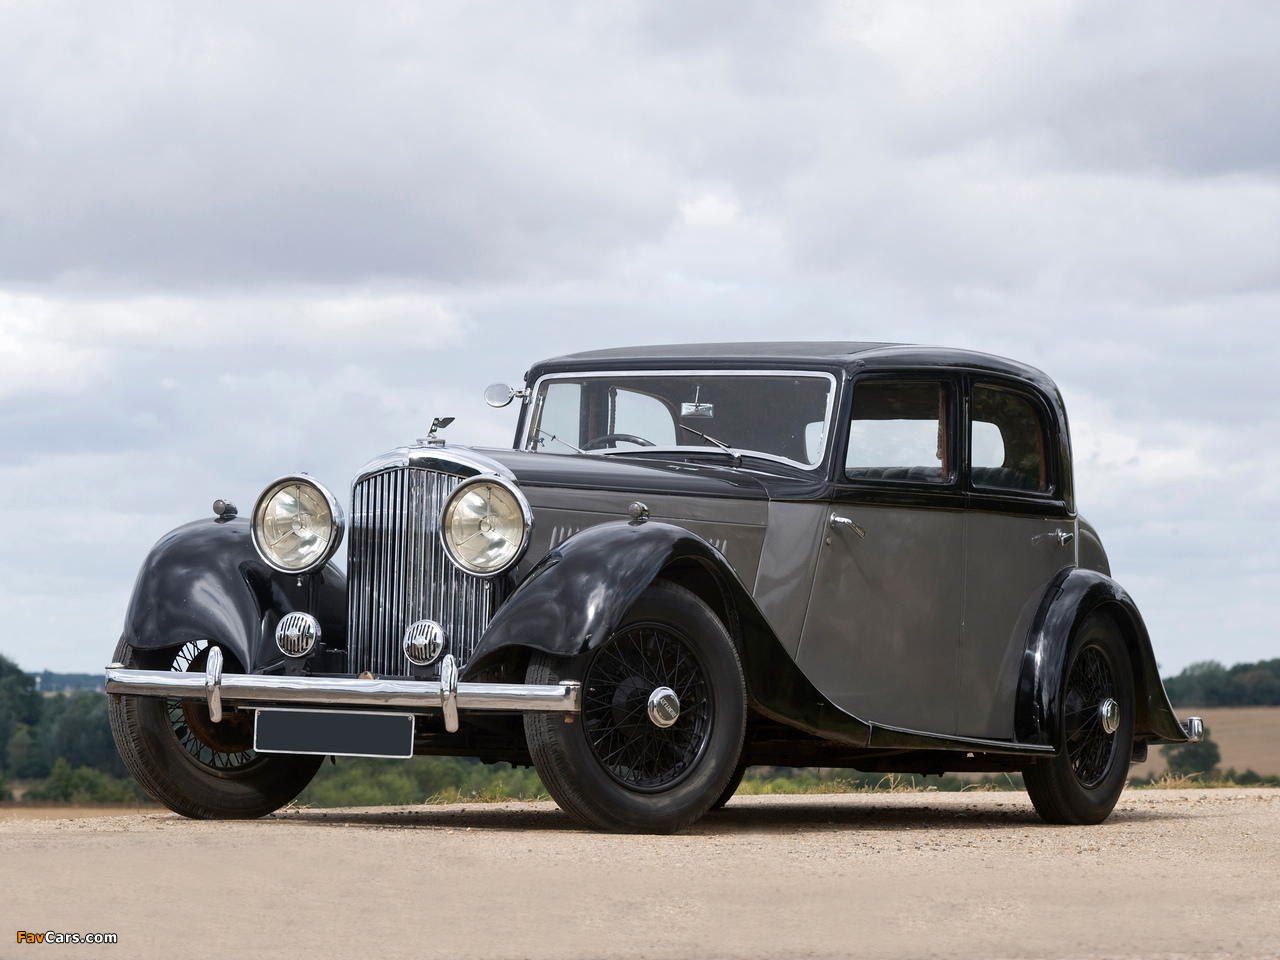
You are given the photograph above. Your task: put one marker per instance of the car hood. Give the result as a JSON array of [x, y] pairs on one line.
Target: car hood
[[629, 475]]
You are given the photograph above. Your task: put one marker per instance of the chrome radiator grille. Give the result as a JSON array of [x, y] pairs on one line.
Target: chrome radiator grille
[[397, 572]]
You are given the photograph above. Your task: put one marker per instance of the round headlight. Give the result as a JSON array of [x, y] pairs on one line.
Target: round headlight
[[297, 525], [485, 526]]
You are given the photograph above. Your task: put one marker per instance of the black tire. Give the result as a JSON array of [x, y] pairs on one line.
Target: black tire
[[732, 786], [200, 769], [1082, 783], [613, 768]]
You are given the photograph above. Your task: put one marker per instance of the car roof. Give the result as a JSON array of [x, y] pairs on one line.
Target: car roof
[[823, 354]]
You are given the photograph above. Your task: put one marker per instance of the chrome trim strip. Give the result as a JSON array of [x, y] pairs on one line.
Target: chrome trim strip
[[693, 372], [458, 461], [902, 738], [420, 695]]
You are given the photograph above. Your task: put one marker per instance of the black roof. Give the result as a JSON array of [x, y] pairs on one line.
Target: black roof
[[824, 354]]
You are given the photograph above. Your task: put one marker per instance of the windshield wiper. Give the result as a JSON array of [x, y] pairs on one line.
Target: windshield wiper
[[719, 443], [552, 436], [737, 457]]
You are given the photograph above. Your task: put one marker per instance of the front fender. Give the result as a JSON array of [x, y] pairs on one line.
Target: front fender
[[1072, 595], [205, 581], [575, 597]]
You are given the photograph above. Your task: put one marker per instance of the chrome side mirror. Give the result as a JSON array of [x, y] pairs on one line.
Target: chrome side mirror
[[500, 394]]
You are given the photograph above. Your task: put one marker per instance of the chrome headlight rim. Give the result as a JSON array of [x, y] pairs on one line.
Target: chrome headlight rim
[[526, 515], [338, 522]]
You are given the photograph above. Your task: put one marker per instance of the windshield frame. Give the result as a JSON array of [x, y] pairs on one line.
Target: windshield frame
[[526, 423]]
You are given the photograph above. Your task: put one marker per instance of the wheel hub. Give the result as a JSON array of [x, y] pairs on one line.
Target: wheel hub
[[646, 707], [1109, 716], [664, 707]]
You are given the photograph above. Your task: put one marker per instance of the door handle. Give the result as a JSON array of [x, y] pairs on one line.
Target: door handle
[[839, 521], [1062, 536]]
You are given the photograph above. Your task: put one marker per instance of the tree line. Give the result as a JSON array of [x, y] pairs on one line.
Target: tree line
[[60, 748], [1210, 684], [64, 742]]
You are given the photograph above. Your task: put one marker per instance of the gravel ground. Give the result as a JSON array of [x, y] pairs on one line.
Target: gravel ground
[[1175, 874]]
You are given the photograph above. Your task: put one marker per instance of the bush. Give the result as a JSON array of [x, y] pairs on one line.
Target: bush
[[24, 761], [769, 780], [76, 727], [84, 785], [356, 782], [19, 705], [1192, 759]]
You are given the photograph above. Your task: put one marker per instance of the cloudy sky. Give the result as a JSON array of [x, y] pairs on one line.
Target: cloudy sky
[[240, 239]]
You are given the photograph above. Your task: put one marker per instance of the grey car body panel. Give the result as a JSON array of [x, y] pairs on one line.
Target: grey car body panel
[[789, 555], [1009, 562], [572, 600], [736, 528], [882, 633], [1089, 550]]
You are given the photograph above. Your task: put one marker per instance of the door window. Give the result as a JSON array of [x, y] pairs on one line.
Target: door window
[[1006, 441], [899, 431]]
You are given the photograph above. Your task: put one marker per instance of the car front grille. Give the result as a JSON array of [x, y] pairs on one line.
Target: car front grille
[[398, 572]]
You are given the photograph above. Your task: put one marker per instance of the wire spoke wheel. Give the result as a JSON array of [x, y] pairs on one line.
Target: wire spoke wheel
[[1093, 728], [662, 723], [194, 766], [633, 749], [225, 746], [1089, 745]]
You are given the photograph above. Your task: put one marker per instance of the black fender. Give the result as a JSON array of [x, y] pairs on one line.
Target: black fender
[[205, 581], [1072, 595], [576, 595]]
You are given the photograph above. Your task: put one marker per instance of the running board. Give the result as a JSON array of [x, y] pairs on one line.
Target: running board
[[896, 738]]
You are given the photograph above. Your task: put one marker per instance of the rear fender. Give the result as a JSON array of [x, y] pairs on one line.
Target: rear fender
[[575, 597], [1071, 597], [205, 581]]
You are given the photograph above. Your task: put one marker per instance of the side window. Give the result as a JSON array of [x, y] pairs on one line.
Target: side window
[[899, 431], [1006, 441], [642, 415]]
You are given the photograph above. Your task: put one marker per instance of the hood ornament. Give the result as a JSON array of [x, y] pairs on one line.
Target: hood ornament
[[439, 423]]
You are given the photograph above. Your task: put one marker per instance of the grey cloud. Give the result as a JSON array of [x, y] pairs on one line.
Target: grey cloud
[[241, 240]]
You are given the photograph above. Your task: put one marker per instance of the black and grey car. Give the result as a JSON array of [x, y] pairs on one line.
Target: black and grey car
[[693, 559]]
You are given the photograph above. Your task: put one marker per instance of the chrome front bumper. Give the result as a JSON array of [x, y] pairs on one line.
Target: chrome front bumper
[[446, 694]]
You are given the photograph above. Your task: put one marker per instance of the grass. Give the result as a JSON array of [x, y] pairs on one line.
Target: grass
[[440, 780], [1214, 779], [797, 780]]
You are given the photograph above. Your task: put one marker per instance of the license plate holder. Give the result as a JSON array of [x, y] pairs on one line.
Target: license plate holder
[[339, 733]]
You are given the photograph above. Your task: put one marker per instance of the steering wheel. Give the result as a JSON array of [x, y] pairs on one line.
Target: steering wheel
[[611, 440]]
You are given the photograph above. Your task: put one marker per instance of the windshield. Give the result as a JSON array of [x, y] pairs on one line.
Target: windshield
[[777, 415]]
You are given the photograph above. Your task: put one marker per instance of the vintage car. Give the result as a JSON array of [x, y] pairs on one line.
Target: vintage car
[[693, 559]]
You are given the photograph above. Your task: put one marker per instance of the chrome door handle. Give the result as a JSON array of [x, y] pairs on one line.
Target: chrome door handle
[[839, 521], [1062, 536]]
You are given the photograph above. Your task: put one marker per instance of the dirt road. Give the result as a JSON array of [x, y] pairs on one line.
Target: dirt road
[[1171, 874]]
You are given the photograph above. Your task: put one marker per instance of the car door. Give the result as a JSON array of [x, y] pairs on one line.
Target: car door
[[1018, 535], [881, 635]]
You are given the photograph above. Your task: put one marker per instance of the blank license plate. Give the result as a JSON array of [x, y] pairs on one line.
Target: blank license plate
[[338, 733]]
